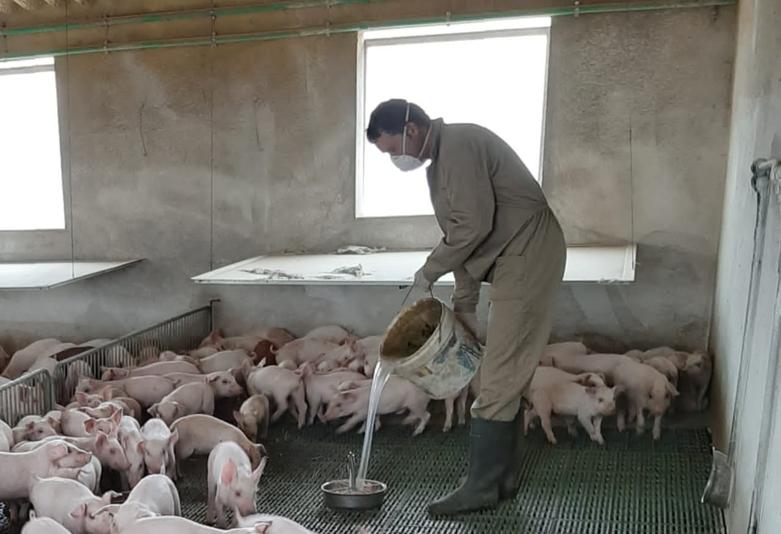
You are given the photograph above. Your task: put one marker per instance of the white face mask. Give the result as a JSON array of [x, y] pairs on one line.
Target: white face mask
[[404, 162]]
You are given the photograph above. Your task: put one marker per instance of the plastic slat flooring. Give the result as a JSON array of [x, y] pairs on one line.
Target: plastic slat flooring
[[630, 486]]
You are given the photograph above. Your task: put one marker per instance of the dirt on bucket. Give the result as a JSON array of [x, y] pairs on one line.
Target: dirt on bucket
[[411, 329]]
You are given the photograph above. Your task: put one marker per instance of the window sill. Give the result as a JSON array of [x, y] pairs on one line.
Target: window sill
[[610, 264], [22, 276]]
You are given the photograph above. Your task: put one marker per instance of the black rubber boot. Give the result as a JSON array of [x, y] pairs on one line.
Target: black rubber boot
[[511, 478], [489, 447]]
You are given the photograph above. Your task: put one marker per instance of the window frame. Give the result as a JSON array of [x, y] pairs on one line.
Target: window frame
[[364, 44], [36, 66]]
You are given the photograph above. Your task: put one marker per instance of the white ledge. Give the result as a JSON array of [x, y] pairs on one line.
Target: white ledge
[[22, 276], [610, 264]]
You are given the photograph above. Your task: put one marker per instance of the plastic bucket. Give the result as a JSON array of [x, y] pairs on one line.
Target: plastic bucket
[[427, 345]]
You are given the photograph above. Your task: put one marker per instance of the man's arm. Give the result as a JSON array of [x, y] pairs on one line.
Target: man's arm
[[472, 205]]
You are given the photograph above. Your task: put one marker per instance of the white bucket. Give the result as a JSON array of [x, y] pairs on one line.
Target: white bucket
[[427, 345]]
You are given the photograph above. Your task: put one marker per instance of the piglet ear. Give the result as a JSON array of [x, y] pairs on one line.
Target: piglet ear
[[174, 437], [89, 425], [101, 439], [262, 527], [228, 473], [237, 416], [79, 512], [140, 447], [117, 417], [57, 451]]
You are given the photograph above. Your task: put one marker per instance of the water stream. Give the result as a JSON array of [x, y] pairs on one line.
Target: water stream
[[381, 375]]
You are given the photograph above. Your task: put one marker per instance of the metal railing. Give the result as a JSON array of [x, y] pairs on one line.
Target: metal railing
[[180, 333], [30, 394]]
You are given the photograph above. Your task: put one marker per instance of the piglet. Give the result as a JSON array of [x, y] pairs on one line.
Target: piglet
[[282, 386], [398, 395], [223, 383], [341, 357], [90, 474], [277, 524], [43, 525], [71, 504], [278, 336], [188, 399], [6, 437], [147, 390], [56, 458], [305, 350], [158, 447], [24, 358], [199, 434], [333, 333], [456, 403], [553, 391], [322, 388], [105, 447], [253, 417], [231, 482], [647, 389], [152, 369], [180, 525], [563, 349], [223, 361], [131, 439], [155, 495]]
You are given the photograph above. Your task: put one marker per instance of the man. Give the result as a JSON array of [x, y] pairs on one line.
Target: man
[[497, 228]]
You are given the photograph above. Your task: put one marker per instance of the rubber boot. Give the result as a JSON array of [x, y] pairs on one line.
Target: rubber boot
[[489, 447], [511, 478]]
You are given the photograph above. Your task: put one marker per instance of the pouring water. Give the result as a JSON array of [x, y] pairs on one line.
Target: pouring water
[[381, 375]]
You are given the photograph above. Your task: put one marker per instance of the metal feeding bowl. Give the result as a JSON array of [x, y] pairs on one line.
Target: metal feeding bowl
[[344, 494]]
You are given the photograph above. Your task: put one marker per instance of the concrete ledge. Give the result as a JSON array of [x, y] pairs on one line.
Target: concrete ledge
[[610, 264], [24, 276]]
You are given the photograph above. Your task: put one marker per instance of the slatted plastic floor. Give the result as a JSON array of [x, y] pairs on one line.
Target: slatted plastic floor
[[631, 486]]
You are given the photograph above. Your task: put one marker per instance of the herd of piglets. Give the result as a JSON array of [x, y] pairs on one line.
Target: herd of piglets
[[574, 383], [135, 424]]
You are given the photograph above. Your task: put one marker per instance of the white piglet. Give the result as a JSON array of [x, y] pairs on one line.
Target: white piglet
[[54, 459], [253, 417], [284, 387], [398, 395], [188, 399], [43, 525], [71, 504], [155, 495], [158, 448], [231, 482]]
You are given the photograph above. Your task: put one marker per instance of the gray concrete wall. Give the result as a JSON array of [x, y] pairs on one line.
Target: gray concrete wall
[[282, 178], [755, 133]]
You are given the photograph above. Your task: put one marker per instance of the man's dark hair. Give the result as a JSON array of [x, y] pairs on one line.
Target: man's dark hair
[[388, 118]]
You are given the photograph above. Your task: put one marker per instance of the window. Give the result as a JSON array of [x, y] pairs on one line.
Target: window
[[30, 168], [490, 73]]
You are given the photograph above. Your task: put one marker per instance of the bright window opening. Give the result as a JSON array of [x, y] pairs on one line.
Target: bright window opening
[[489, 73], [30, 168]]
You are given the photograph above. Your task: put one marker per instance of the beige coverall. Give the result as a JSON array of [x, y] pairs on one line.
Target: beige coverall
[[497, 228]]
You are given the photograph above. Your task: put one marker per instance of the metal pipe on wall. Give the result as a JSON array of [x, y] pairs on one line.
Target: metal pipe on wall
[[327, 30]]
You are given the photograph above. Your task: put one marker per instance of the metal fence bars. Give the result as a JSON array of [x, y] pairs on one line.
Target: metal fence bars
[[30, 394], [180, 333]]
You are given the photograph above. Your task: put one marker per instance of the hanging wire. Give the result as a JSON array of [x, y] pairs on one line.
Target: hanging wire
[[211, 140], [70, 129]]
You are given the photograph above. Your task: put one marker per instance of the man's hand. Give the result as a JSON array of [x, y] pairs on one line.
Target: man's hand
[[469, 320], [421, 282]]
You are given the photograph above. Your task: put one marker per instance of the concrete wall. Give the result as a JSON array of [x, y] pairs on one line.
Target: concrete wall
[[755, 133], [636, 141]]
